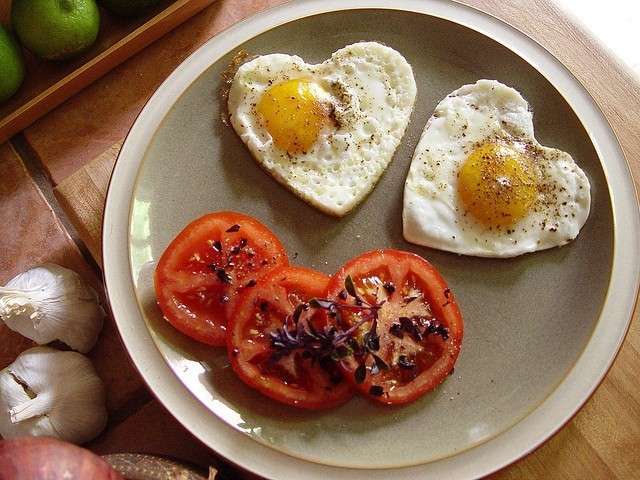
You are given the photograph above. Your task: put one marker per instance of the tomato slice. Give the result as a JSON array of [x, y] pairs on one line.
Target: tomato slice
[[204, 268], [408, 326], [291, 376]]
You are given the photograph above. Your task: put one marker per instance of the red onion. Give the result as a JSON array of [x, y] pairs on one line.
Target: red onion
[[44, 458]]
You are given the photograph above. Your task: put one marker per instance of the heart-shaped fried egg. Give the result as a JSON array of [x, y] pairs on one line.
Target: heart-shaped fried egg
[[326, 131], [481, 184]]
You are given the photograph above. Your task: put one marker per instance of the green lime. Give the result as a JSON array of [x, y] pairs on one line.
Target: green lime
[[10, 65], [56, 29], [128, 8]]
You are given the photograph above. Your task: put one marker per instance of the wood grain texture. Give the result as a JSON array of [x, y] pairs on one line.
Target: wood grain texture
[[603, 440], [83, 194], [93, 65]]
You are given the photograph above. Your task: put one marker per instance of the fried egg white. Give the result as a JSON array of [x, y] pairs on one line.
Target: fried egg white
[[326, 131], [480, 184]]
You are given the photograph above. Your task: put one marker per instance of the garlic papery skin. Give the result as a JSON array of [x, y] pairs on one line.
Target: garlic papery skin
[[53, 393], [50, 302]]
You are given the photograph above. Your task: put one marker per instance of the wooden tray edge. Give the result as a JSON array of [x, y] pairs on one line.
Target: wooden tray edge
[[156, 27]]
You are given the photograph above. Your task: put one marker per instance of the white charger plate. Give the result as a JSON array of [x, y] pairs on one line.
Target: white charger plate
[[176, 370]]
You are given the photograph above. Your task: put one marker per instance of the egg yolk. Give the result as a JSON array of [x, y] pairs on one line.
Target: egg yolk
[[497, 184], [293, 115]]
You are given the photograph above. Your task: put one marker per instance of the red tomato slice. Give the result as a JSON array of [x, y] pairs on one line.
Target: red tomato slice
[[204, 268], [294, 378], [418, 330]]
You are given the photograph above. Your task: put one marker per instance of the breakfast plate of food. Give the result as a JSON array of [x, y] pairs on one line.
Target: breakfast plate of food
[[344, 237]]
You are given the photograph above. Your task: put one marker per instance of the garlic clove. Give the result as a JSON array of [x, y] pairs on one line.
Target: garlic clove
[[50, 302], [48, 392], [13, 393]]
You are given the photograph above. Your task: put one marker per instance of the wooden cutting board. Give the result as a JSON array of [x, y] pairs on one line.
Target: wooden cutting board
[[603, 440]]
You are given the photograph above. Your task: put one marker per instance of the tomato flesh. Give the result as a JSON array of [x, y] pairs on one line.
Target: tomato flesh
[[207, 265], [418, 325], [294, 378]]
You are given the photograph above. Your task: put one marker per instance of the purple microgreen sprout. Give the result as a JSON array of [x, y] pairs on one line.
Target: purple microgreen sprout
[[330, 344]]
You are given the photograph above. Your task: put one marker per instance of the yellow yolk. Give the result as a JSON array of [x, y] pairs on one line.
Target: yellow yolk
[[293, 115], [497, 184]]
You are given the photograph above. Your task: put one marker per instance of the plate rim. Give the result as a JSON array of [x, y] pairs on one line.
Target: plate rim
[[531, 431]]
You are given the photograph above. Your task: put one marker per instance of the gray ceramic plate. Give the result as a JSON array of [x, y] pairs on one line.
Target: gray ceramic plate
[[535, 346]]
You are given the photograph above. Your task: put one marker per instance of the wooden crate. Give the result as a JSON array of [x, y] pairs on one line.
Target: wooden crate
[[48, 84]]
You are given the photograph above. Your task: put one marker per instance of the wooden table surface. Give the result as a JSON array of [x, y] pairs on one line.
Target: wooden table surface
[[53, 179]]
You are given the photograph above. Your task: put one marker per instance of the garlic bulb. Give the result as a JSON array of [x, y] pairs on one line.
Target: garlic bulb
[[52, 393], [50, 303]]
